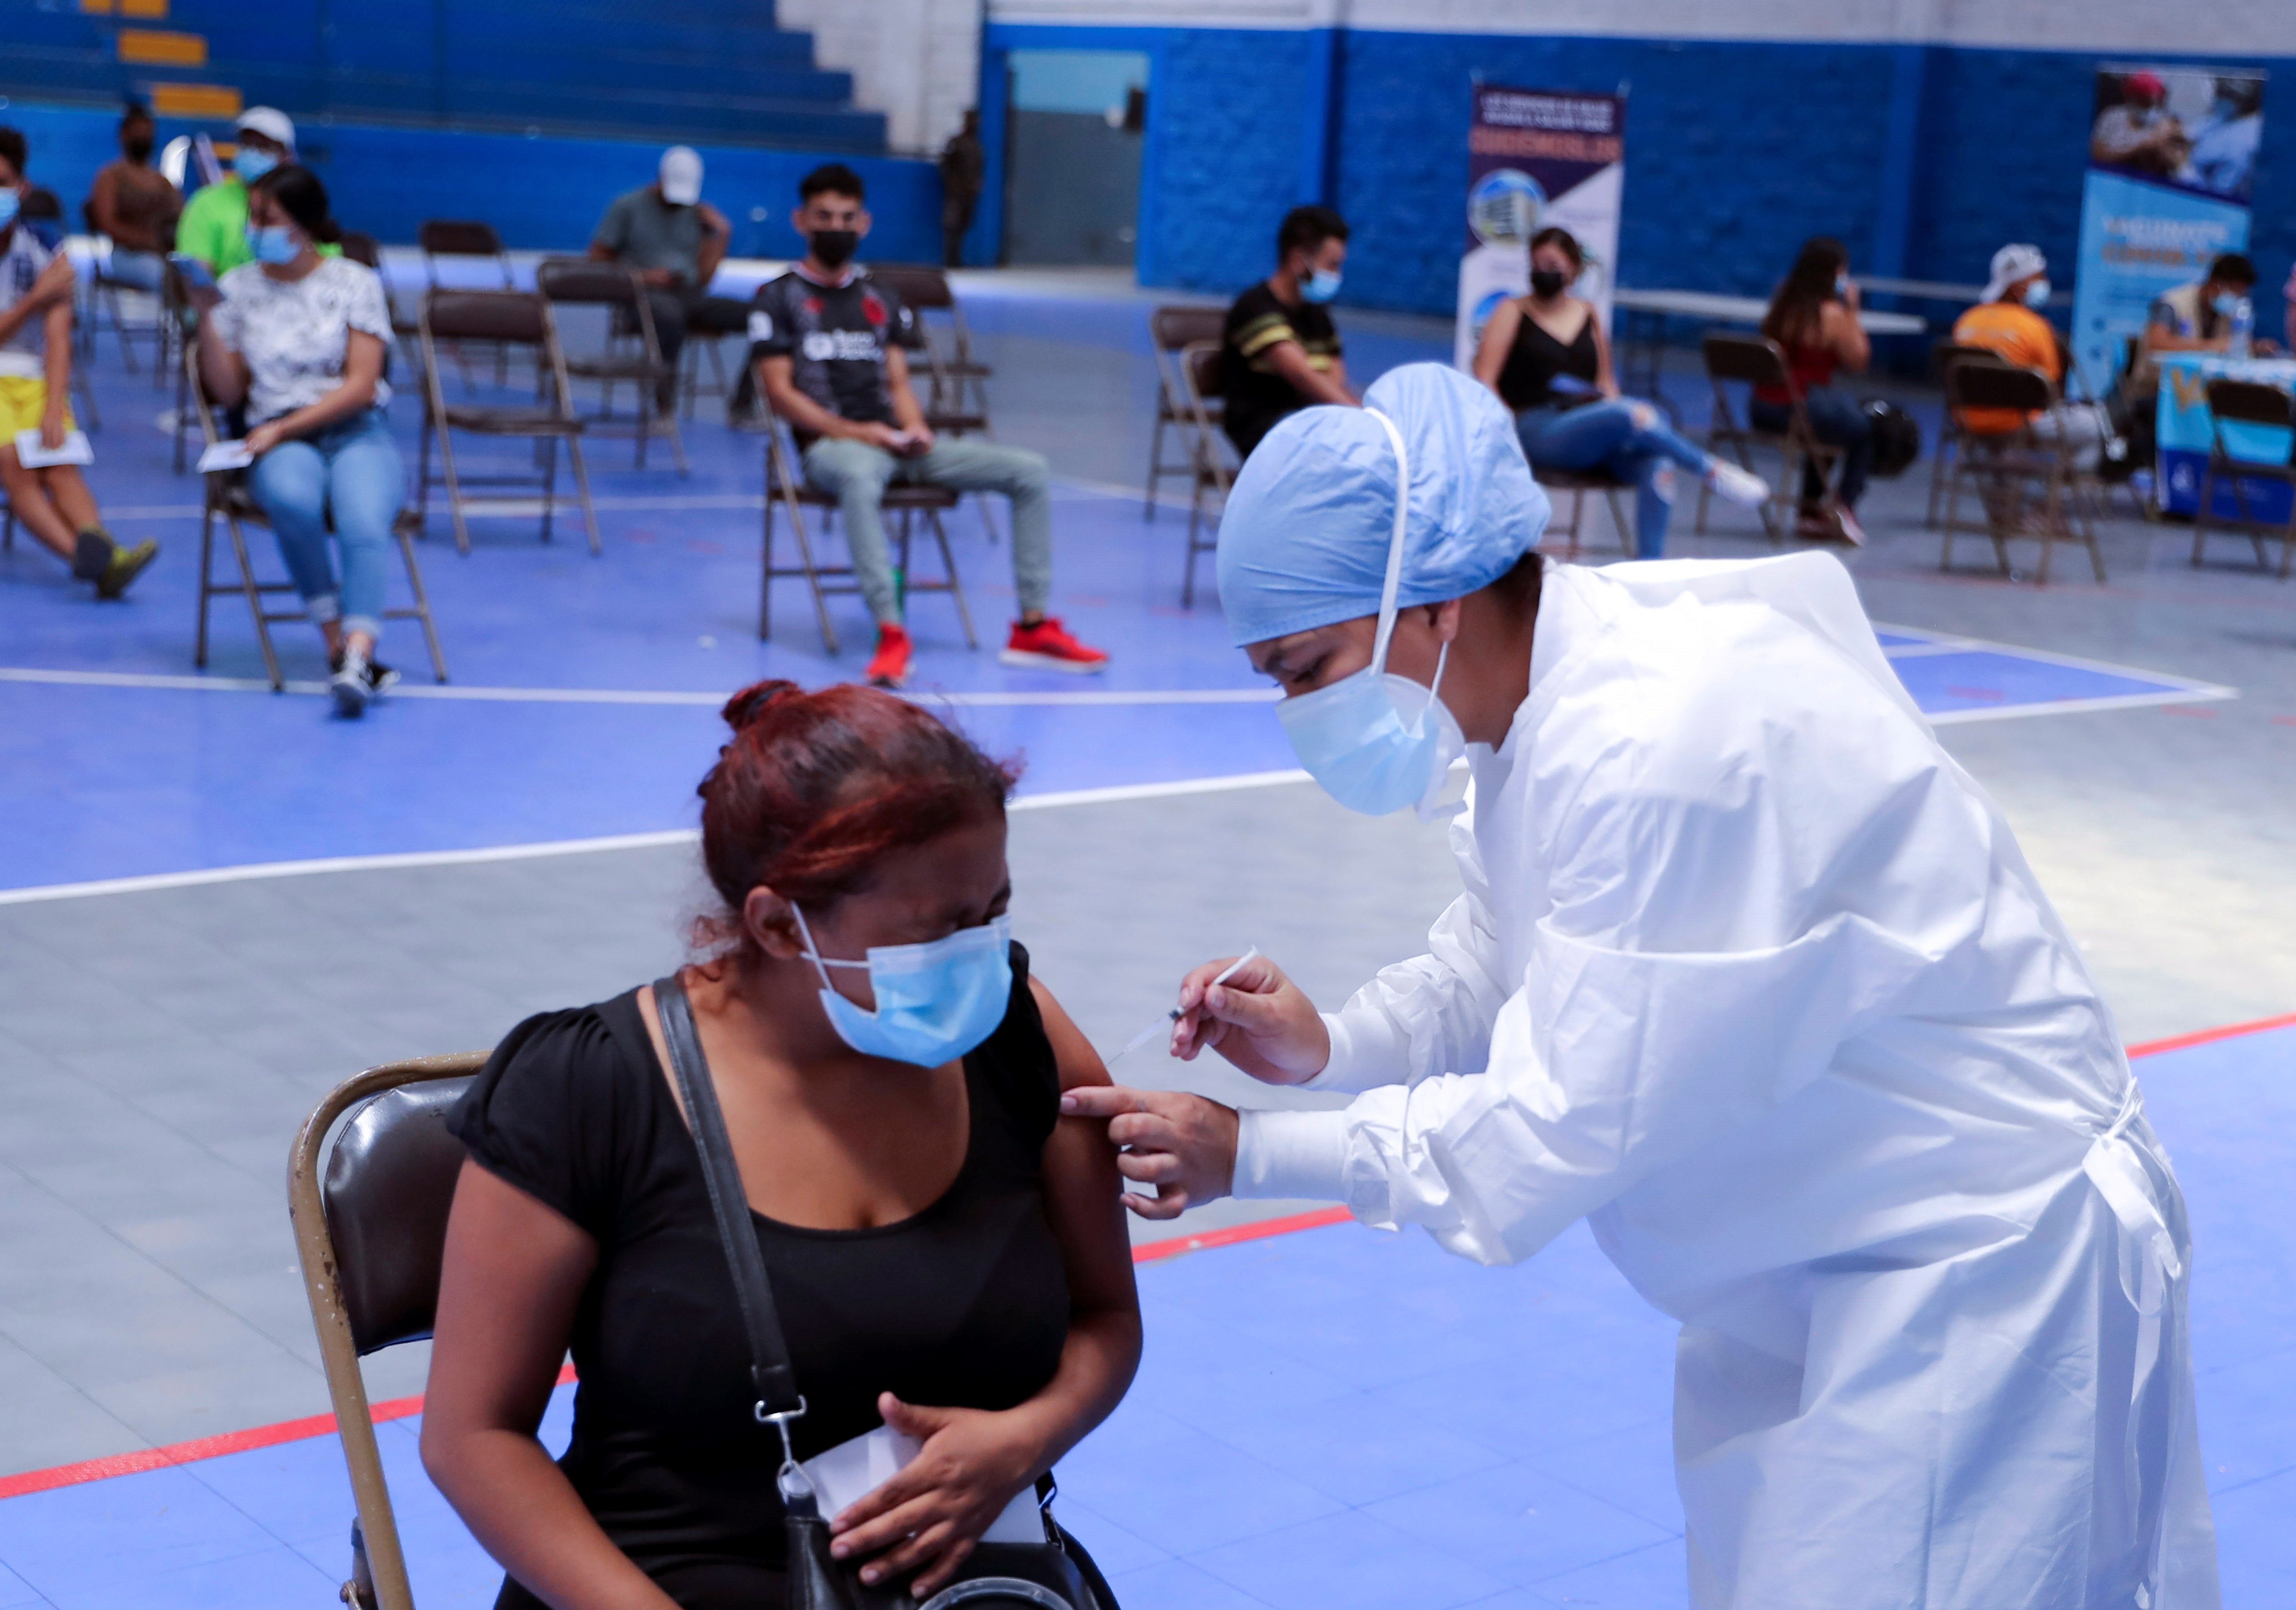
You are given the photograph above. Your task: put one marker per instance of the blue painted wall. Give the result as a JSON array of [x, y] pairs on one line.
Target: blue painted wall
[[1930, 154], [541, 194]]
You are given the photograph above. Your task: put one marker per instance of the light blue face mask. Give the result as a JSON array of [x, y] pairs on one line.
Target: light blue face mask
[[272, 243], [935, 1001], [251, 164], [9, 202], [1378, 742], [1321, 285]]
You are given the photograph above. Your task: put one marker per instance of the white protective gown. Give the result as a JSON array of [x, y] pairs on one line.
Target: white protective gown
[[1751, 974]]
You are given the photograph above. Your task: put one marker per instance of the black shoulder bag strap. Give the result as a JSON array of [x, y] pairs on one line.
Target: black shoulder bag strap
[[778, 1400]]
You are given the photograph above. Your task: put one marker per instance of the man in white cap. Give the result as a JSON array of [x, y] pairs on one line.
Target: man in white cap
[[2009, 321], [213, 227], [676, 241]]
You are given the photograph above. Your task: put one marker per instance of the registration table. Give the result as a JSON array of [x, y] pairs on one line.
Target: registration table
[[1642, 326], [2188, 431]]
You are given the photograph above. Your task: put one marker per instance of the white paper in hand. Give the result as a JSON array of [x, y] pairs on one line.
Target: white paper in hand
[[34, 454], [226, 455], [851, 1471]]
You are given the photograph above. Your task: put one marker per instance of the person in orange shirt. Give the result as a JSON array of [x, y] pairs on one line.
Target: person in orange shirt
[[2009, 321]]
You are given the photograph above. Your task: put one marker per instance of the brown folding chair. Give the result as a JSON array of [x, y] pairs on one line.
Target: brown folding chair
[[585, 282], [1951, 440], [2027, 486], [787, 489], [2248, 402], [476, 249], [370, 1215], [510, 318], [956, 399], [1758, 362], [1576, 484], [1209, 449], [1172, 331], [227, 499]]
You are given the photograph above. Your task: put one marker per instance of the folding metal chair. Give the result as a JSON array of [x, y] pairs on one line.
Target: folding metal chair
[[1758, 362], [787, 489], [370, 1216], [1576, 484], [1211, 475], [1172, 331], [957, 394], [584, 281], [2243, 402], [510, 318], [475, 245], [2027, 487], [227, 499], [1952, 438]]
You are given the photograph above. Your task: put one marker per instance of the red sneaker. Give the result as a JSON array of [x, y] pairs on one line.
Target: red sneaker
[[1048, 646], [888, 667]]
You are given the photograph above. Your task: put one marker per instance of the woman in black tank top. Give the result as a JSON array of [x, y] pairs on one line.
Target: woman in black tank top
[[947, 1252], [1547, 357]]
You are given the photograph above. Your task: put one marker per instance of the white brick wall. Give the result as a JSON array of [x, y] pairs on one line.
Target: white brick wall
[[918, 62]]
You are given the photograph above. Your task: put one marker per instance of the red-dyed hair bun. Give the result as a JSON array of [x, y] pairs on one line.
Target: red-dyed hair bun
[[815, 788]]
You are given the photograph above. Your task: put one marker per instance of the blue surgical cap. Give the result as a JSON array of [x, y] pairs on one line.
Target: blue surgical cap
[[1304, 538]]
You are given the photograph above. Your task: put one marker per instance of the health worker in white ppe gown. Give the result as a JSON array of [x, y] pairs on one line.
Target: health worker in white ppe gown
[[1749, 975]]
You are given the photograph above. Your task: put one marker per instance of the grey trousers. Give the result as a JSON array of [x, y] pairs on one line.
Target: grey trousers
[[857, 474]]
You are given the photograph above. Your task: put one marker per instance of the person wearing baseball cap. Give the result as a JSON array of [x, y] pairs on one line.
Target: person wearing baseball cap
[[676, 241], [213, 227], [2010, 321]]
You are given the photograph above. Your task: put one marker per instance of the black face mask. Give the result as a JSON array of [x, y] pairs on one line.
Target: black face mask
[[1547, 281], [138, 150], [834, 248]]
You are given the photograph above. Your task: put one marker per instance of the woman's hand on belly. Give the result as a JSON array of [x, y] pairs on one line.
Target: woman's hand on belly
[[928, 1518]]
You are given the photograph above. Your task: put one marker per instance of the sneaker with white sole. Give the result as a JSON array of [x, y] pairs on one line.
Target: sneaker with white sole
[[1732, 484], [1851, 531], [352, 684]]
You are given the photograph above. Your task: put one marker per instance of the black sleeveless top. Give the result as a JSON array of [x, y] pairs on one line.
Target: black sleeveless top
[[1537, 358], [966, 1304]]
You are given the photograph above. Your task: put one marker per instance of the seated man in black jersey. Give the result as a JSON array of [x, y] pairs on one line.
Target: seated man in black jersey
[[1281, 351], [830, 346]]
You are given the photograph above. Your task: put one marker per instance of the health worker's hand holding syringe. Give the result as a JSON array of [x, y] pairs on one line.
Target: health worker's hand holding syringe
[[1183, 1144]]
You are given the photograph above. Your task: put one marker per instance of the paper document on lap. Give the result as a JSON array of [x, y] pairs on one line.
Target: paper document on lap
[[851, 1471]]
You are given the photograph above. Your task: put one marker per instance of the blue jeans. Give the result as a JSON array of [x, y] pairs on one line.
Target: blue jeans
[[1838, 422], [1628, 439], [351, 469]]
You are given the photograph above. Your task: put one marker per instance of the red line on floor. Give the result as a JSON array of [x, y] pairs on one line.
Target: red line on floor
[[1146, 1252], [1149, 1251], [206, 1448], [2201, 1037]]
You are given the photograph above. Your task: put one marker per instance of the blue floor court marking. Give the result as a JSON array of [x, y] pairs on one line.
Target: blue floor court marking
[[1326, 1420]]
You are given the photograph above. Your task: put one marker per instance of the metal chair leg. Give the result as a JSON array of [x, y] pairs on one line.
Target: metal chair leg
[[453, 490], [255, 604], [422, 605], [956, 583], [206, 586], [582, 484]]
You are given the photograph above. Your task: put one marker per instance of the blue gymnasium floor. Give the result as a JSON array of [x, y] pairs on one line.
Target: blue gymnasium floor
[[1492, 1438], [584, 689]]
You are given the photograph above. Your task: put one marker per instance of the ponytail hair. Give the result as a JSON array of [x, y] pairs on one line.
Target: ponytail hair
[[302, 198]]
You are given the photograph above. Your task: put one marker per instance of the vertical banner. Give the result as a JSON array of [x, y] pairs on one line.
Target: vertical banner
[[2172, 153], [1537, 158]]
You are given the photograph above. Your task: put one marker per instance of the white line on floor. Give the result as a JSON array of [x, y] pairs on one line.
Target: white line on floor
[[2201, 693], [627, 696], [629, 841]]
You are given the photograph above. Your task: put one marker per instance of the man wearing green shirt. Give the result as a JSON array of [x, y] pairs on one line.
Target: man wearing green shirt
[[213, 227]]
